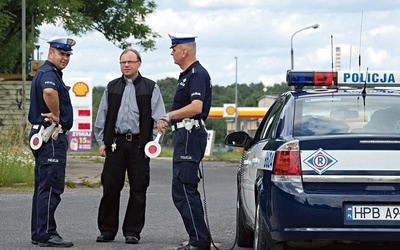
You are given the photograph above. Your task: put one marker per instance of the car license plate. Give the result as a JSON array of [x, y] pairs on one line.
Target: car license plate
[[372, 213]]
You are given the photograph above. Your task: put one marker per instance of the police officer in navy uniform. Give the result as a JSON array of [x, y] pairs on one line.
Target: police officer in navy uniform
[[50, 100], [190, 108]]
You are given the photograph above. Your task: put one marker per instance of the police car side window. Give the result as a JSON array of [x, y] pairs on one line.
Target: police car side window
[[276, 121], [261, 126], [267, 127]]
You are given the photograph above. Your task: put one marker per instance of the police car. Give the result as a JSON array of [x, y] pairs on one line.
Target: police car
[[324, 164]]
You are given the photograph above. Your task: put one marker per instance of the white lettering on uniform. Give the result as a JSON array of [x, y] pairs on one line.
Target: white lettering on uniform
[[186, 157], [49, 82], [196, 93]]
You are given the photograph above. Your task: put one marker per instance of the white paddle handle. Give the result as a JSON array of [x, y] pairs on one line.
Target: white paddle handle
[[158, 137]]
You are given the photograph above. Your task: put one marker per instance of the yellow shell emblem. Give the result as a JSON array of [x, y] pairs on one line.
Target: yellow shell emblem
[[80, 89], [230, 110]]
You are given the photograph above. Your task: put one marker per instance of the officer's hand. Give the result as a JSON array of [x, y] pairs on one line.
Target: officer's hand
[[102, 150], [52, 118], [161, 125]]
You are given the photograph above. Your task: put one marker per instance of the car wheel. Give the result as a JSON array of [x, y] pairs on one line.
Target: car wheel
[[260, 238], [244, 236]]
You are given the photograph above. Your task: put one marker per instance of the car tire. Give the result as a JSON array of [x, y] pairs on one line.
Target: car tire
[[261, 235], [260, 239], [244, 236]]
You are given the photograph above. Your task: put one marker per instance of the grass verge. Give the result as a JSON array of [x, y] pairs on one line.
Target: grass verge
[[16, 162]]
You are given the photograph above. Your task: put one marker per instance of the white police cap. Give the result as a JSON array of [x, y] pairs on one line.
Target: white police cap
[[63, 44], [179, 38]]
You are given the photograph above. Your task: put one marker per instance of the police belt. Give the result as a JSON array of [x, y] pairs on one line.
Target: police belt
[[188, 124], [37, 127], [128, 136]]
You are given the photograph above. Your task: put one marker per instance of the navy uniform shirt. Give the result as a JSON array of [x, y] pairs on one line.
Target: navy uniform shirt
[[49, 76], [194, 84]]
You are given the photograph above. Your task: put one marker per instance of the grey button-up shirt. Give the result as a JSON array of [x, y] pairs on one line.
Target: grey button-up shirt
[[128, 114]]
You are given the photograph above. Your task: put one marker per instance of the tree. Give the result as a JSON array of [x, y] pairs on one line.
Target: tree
[[278, 89], [117, 20], [167, 88], [97, 93]]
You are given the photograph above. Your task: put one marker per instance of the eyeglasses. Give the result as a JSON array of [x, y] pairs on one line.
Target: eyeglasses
[[128, 62]]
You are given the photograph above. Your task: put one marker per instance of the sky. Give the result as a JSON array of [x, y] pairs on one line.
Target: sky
[[250, 41]]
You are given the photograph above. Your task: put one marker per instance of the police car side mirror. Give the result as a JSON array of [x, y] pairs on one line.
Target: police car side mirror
[[239, 139]]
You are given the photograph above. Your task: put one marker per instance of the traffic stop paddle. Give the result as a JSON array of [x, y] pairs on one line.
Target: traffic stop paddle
[[153, 148]]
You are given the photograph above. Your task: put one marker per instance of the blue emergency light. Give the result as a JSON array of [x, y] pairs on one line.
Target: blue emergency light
[[301, 79]]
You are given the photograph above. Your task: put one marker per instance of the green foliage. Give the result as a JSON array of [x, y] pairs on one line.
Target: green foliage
[[219, 125], [248, 94], [167, 88], [278, 89], [97, 93], [117, 20], [234, 156], [6, 18]]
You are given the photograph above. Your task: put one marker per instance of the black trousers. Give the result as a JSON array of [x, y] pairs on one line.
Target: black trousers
[[127, 158]]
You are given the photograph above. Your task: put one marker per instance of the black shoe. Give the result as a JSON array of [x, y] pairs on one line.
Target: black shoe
[[131, 240], [190, 247], [56, 241], [34, 242], [102, 238]]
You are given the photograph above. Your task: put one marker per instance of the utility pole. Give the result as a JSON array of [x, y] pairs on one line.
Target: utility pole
[[23, 118], [236, 96]]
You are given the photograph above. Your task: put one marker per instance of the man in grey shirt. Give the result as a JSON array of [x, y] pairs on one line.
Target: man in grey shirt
[[125, 122]]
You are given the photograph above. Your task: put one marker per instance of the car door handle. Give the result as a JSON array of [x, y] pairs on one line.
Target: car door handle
[[255, 160]]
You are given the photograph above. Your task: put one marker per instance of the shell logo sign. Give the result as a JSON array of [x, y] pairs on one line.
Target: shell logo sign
[[80, 89], [243, 113], [229, 110], [80, 135]]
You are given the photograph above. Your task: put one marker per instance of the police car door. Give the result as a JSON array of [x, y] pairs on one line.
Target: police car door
[[256, 157]]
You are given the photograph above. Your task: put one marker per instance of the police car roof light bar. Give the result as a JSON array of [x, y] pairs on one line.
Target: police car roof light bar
[[300, 79], [335, 79]]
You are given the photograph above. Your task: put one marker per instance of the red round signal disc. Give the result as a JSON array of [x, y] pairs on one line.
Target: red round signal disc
[[153, 148], [35, 142]]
